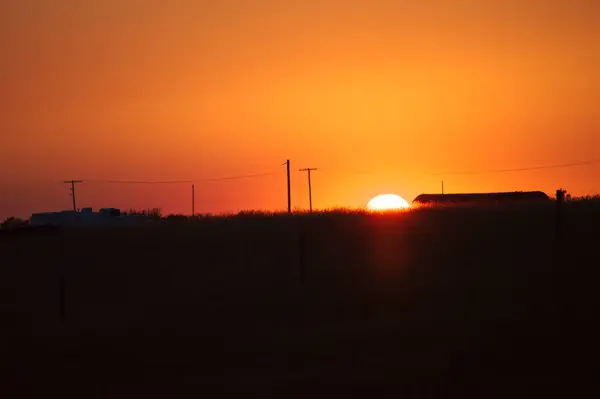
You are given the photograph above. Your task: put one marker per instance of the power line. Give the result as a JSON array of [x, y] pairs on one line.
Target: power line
[[237, 177], [337, 171], [138, 182], [472, 172], [557, 166], [180, 181]]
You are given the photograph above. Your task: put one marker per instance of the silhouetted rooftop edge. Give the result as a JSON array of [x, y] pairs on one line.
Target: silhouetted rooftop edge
[[514, 196]]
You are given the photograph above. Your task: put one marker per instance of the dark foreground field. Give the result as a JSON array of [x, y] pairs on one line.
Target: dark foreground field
[[445, 302]]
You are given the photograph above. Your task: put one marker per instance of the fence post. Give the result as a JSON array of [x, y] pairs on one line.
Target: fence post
[[560, 200], [61, 289], [301, 256]]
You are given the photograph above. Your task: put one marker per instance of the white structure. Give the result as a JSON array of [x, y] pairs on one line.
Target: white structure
[[87, 217]]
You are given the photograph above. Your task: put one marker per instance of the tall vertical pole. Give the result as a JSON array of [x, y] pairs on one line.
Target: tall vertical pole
[[308, 170], [193, 201], [442, 187], [73, 194], [72, 183], [309, 193], [289, 187]]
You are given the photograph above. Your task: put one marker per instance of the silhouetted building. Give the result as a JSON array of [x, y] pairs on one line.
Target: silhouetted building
[[509, 197], [87, 217]]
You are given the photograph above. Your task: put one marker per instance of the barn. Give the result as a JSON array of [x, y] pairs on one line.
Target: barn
[[502, 197]]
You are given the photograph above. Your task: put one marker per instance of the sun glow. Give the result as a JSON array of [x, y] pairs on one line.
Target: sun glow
[[387, 202]]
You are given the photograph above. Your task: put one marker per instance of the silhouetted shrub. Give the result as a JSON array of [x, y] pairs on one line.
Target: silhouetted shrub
[[154, 213], [177, 218], [13, 223]]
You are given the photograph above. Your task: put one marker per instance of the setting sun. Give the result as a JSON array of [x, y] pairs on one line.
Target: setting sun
[[386, 202]]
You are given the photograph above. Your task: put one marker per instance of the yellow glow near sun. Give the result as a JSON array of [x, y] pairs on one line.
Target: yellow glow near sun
[[387, 202]]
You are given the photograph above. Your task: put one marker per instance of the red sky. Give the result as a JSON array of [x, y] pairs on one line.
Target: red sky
[[180, 90]]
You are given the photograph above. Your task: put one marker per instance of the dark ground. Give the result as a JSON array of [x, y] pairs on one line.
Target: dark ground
[[447, 302]]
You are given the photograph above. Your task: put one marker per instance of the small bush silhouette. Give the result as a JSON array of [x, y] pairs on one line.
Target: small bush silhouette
[[177, 218], [13, 223], [154, 213]]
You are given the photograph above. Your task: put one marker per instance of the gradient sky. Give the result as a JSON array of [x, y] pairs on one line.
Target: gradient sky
[[179, 90]]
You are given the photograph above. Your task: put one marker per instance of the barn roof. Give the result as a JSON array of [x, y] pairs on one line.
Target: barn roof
[[516, 196]]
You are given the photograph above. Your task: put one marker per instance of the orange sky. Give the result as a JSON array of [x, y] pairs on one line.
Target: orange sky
[[178, 90]]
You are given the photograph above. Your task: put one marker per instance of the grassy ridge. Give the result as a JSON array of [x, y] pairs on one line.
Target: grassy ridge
[[430, 302]]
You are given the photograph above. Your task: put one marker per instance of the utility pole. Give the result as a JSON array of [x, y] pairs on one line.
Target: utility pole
[[193, 201], [442, 187], [308, 170], [72, 183], [289, 187]]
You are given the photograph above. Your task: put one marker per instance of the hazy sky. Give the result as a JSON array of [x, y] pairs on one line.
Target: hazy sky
[[179, 90]]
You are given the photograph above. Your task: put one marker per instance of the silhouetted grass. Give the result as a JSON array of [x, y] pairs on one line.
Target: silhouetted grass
[[435, 301]]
